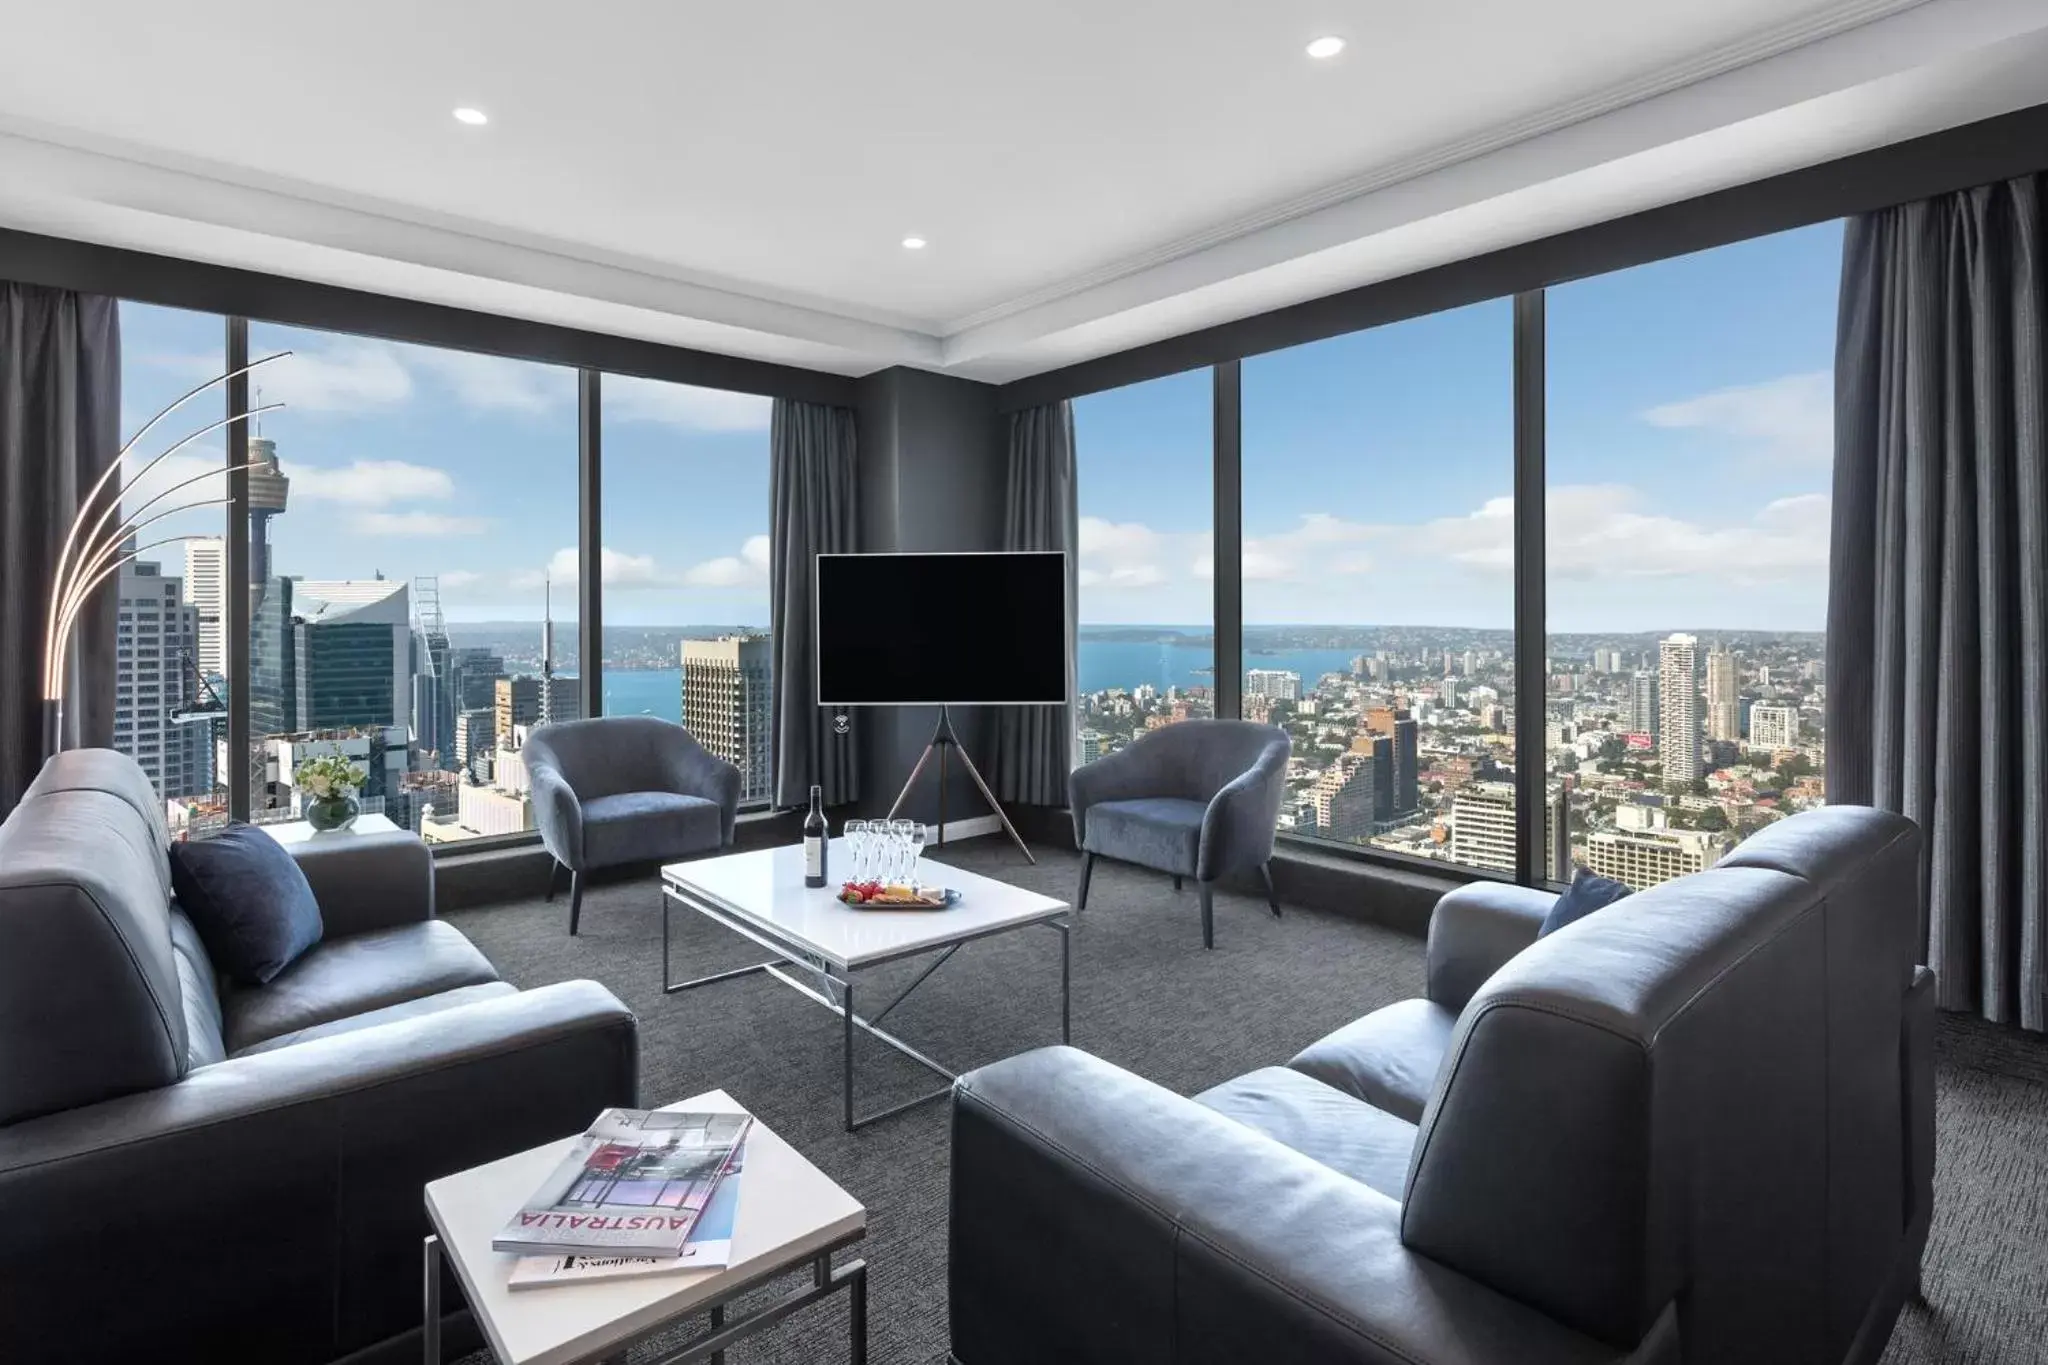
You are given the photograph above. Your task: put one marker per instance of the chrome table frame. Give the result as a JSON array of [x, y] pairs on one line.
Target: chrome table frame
[[834, 989], [710, 1345]]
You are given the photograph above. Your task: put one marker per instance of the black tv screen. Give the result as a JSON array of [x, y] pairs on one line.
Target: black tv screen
[[926, 629]]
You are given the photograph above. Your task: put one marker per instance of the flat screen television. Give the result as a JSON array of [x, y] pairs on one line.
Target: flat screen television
[[939, 629]]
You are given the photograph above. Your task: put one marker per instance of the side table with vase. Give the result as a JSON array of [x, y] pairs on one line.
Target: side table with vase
[[328, 785]]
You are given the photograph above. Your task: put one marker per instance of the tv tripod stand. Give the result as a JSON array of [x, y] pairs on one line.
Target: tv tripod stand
[[942, 741]]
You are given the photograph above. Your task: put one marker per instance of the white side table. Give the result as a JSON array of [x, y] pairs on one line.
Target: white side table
[[291, 832], [791, 1216]]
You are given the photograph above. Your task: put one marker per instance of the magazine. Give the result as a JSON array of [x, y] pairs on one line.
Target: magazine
[[632, 1185], [709, 1247]]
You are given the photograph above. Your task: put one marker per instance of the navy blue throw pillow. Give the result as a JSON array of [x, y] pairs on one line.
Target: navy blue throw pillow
[[1588, 892], [253, 907]]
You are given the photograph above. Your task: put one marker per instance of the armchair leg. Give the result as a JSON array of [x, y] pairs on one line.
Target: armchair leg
[[554, 877], [575, 900], [1208, 916], [1087, 870], [1176, 883], [1272, 897]]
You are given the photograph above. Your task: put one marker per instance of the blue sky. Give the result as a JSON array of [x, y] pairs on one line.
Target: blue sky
[[1689, 419], [414, 461]]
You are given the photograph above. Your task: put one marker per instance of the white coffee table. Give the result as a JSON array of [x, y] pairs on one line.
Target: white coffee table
[[791, 1215], [289, 832], [761, 896]]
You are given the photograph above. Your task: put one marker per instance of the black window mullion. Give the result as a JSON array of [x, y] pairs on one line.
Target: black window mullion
[[1227, 538], [1532, 862], [590, 541]]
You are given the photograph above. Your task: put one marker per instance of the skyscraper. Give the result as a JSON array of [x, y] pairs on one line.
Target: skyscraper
[[475, 672], [351, 653], [1398, 725], [1772, 726], [1346, 797], [560, 698], [1724, 704], [517, 702], [433, 681], [206, 567], [1643, 717], [157, 637], [1483, 826], [725, 706], [1678, 662]]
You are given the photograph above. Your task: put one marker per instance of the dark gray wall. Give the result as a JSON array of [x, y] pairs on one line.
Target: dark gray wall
[[932, 470]]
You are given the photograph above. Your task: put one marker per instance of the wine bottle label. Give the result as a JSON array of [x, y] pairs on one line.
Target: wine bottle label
[[814, 856]]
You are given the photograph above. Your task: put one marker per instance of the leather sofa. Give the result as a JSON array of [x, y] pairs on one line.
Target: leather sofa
[[195, 1173], [1695, 1126]]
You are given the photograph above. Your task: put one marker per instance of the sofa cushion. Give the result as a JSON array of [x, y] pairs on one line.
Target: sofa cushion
[[390, 1014], [1588, 892], [641, 826], [354, 975], [253, 907], [1349, 1136], [1161, 832], [1389, 1058]]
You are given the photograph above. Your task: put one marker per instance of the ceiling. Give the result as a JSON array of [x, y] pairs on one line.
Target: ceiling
[[1090, 174]]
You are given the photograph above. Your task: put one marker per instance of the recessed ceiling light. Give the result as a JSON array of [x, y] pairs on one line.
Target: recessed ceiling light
[[1323, 48], [913, 244], [475, 118]]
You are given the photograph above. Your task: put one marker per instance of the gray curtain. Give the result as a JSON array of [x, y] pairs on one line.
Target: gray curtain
[[814, 511], [1938, 604], [1034, 744], [60, 417]]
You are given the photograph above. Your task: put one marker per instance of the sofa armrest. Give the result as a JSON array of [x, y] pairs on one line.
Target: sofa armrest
[[368, 881], [694, 770], [1122, 776], [557, 814], [1243, 817], [1473, 932], [1097, 1217], [277, 1198]]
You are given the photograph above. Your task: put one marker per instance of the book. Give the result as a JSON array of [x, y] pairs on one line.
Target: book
[[709, 1247], [633, 1184]]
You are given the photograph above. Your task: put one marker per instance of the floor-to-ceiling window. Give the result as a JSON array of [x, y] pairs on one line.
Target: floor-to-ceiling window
[[1378, 473], [412, 574], [1147, 656], [685, 564], [170, 712], [1688, 448]]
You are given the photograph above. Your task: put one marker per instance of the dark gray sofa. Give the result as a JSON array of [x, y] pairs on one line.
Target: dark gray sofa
[[191, 1173], [1696, 1126]]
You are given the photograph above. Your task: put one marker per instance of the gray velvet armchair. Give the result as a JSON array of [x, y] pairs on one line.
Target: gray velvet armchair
[[1197, 799], [626, 789]]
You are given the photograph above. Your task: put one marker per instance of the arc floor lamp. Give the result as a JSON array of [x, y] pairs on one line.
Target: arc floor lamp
[[100, 541]]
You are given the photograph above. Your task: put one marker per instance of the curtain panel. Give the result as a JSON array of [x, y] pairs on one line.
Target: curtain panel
[[1034, 744], [814, 510], [60, 418], [1937, 665]]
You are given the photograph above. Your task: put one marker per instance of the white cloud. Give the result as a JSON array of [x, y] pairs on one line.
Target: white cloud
[[1129, 554], [207, 467], [416, 524], [631, 399], [748, 567], [368, 483], [1792, 416], [488, 383], [345, 376]]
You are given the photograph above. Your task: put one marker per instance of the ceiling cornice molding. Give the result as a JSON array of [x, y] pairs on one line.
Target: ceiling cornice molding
[[1787, 37]]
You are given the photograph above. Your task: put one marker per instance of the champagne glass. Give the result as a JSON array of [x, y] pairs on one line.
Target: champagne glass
[[918, 834], [906, 856], [856, 832]]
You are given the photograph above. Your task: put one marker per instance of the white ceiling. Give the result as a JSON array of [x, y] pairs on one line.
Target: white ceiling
[[1091, 174]]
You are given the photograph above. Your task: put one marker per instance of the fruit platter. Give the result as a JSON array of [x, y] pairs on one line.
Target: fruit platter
[[896, 896]]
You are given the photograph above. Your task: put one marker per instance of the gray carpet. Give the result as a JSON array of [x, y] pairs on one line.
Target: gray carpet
[[1147, 997]]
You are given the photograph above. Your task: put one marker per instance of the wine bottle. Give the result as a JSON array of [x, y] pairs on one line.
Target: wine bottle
[[815, 840]]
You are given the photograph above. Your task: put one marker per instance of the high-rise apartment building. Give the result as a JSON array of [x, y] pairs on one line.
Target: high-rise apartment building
[[1398, 725], [476, 734], [1643, 717], [726, 694], [1678, 746], [206, 568], [1346, 797], [156, 637], [1724, 702], [1483, 826], [516, 702], [1279, 684], [351, 654], [1643, 858], [1773, 726], [1091, 745]]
